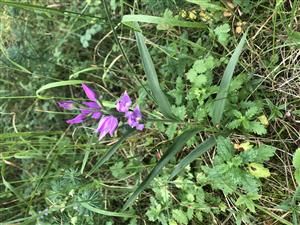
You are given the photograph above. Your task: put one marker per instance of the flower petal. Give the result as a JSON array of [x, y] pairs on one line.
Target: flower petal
[[89, 93], [78, 119], [124, 103], [93, 105], [96, 115], [69, 105]]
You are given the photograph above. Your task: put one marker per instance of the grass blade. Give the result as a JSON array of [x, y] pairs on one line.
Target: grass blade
[[177, 145], [33, 7], [56, 84], [220, 101], [160, 98], [199, 150], [110, 152], [129, 20], [104, 212]]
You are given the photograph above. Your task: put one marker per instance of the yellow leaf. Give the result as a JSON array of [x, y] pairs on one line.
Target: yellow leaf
[[264, 120], [258, 170], [192, 15], [243, 146]]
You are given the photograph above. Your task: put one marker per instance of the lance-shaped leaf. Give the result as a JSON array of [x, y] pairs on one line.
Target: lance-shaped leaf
[[56, 84], [219, 105], [130, 20], [110, 152], [160, 98], [105, 212], [177, 145], [199, 150]]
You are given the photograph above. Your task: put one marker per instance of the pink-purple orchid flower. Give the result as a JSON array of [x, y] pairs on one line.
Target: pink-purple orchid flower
[[108, 123]]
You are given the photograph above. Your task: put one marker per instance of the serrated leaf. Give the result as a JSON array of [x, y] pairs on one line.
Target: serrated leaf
[[234, 124], [171, 130], [177, 145], [257, 128], [237, 82], [258, 155], [160, 98], [248, 201], [180, 216], [252, 112], [258, 170], [219, 105], [224, 148], [237, 113], [296, 159], [222, 33]]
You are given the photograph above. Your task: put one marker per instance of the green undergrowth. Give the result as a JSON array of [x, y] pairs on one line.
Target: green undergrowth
[[218, 85]]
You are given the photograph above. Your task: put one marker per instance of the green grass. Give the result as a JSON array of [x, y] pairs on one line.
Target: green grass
[[174, 68]]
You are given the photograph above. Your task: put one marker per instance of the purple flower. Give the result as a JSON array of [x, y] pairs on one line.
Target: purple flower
[[124, 103], [134, 118], [89, 93], [69, 105], [107, 124], [78, 119], [93, 109]]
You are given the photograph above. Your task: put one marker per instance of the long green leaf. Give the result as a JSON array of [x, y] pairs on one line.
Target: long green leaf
[[219, 105], [177, 145], [110, 152], [56, 84], [160, 98], [199, 150], [40, 8], [129, 20], [104, 212], [276, 217]]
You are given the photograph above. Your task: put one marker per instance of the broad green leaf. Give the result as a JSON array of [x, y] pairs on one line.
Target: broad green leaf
[[104, 212], [199, 150], [160, 98], [296, 159], [258, 170], [130, 20], [219, 105], [110, 152], [56, 84], [176, 146]]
